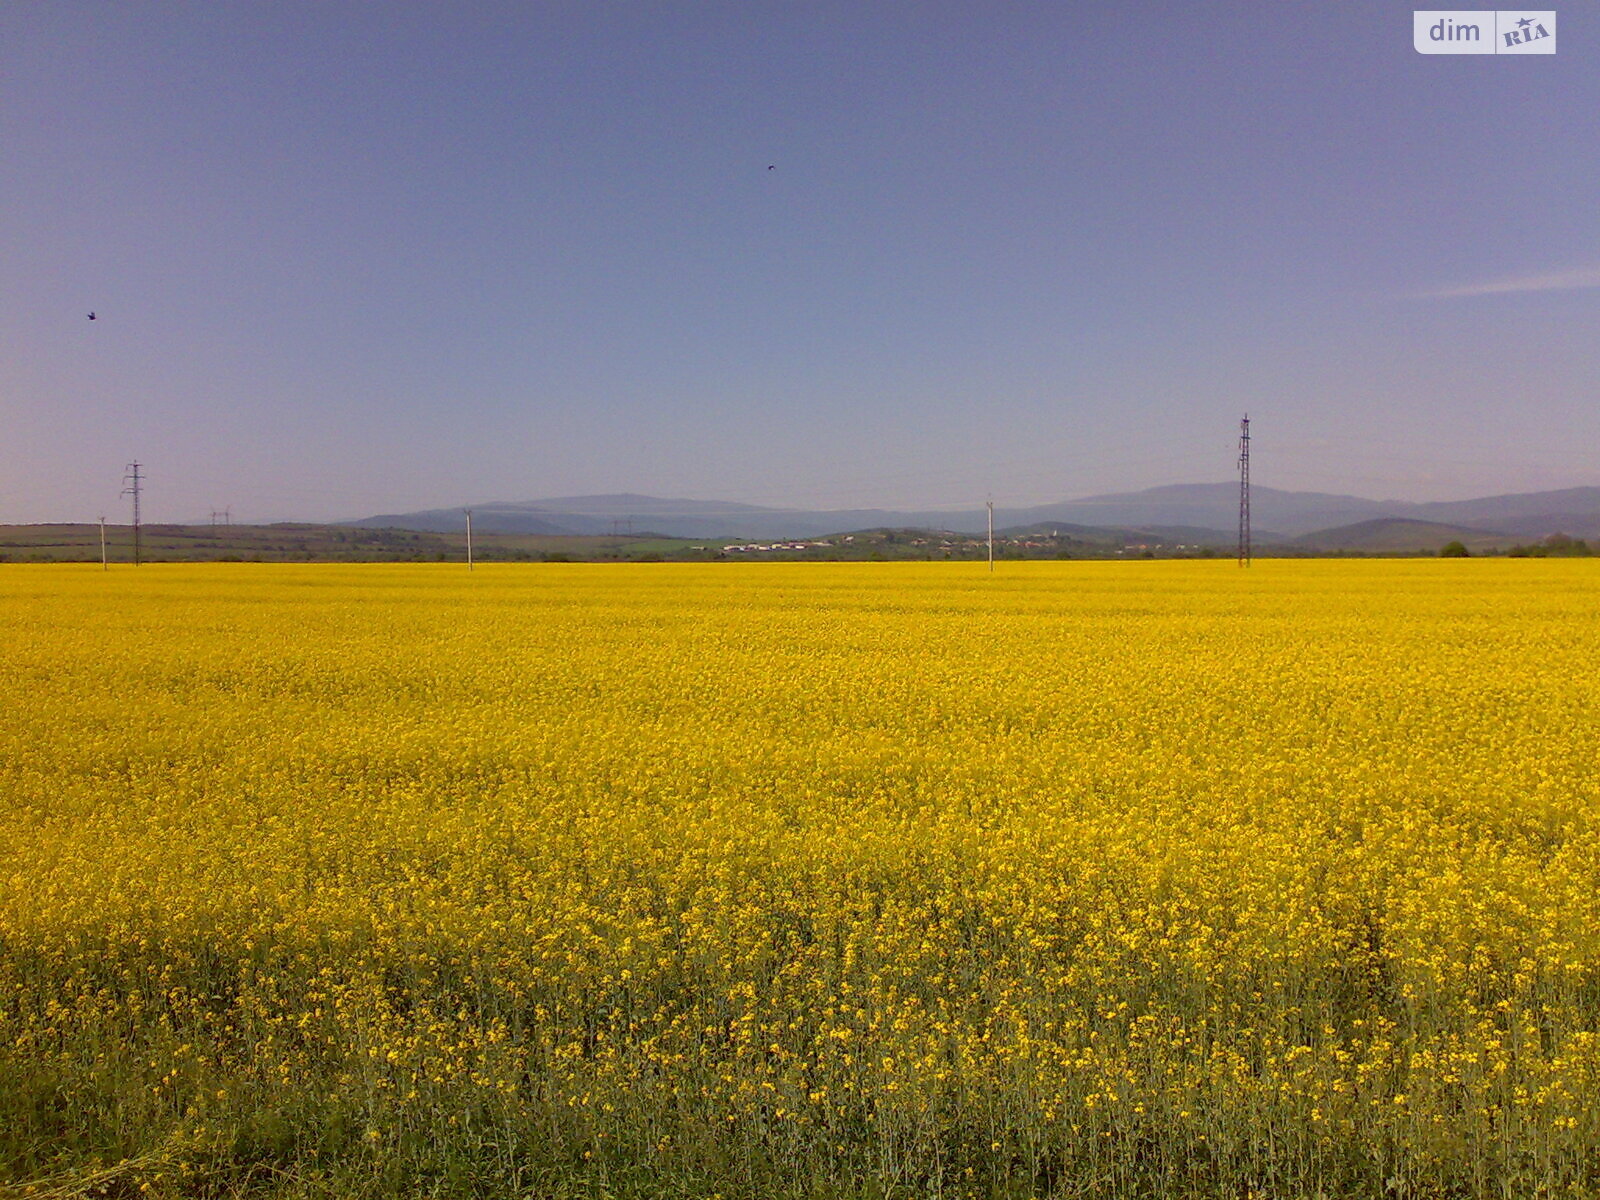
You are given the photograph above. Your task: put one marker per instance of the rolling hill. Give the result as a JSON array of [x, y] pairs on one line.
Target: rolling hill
[[1393, 535], [1207, 513]]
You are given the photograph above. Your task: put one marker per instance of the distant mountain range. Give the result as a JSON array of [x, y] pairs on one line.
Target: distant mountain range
[[1201, 513]]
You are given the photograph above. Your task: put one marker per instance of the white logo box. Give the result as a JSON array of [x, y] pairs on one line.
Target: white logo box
[[1484, 31]]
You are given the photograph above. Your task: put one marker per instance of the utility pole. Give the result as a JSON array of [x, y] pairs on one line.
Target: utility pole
[[989, 504], [1244, 491], [105, 565], [469, 539], [133, 482]]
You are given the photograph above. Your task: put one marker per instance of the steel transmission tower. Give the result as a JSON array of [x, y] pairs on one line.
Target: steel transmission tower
[[133, 482], [1244, 491]]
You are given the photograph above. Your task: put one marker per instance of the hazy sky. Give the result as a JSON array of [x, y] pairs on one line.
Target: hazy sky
[[357, 258]]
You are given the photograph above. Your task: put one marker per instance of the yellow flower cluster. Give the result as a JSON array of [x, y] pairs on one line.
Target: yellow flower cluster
[[1124, 878]]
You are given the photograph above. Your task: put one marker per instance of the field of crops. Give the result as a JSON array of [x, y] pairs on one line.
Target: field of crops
[[1120, 879]]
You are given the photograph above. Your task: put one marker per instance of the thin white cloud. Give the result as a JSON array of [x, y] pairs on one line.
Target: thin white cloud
[[1547, 281]]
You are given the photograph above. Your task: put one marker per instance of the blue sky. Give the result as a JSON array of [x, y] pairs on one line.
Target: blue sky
[[358, 258]]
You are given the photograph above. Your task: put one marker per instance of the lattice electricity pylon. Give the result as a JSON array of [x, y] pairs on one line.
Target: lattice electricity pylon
[[1244, 491]]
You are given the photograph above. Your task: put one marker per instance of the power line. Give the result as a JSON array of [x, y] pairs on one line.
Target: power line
[[132, 482], [1244, 491], [989, 504]]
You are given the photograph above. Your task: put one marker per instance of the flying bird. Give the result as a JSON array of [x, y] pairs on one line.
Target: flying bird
[[91, 316]]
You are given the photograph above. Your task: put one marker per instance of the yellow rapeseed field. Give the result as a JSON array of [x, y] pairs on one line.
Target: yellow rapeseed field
[[859, 880]]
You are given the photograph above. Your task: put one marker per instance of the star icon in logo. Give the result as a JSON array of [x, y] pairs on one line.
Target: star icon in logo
[[1525, 22]]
